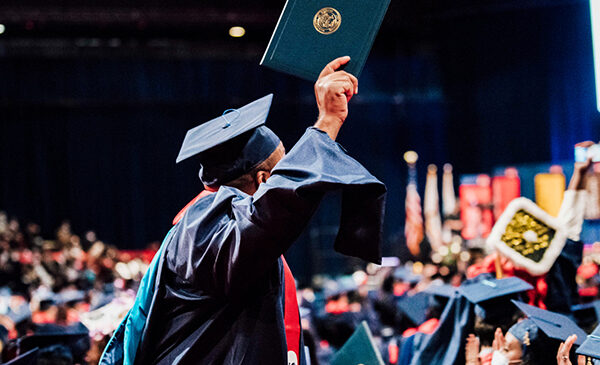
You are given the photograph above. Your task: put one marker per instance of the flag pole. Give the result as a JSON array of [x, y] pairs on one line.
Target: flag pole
[[498, 264]]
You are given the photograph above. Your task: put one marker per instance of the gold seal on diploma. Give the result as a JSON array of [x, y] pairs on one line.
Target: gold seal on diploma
[[327, 20]]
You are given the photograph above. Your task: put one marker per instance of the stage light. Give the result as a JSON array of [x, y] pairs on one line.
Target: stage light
[[411, 157], [2, 28], [455, 248], [465, 256], [595, 15], [237, 32], [443, 250]]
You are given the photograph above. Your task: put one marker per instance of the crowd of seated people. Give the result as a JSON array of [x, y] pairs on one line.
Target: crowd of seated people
[[62, 298]]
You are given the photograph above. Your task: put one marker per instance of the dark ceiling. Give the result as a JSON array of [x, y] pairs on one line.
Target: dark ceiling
[[187, 19]]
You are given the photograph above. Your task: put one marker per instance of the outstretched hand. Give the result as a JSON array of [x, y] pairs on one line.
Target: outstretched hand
[[333, 91], [499, 340], [562, 356], [580, 169], [472, 349]]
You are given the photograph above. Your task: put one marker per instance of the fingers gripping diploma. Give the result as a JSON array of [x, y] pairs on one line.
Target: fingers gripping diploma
[[333, 91]]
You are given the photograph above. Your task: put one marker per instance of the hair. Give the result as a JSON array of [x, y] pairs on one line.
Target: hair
[[246, 180]]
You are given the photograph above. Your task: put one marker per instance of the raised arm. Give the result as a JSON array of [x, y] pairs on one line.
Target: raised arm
[[261, 227]]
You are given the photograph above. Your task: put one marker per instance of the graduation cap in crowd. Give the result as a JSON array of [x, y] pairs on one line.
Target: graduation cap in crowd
[[342, 285], [28, 358], [530, 237], [440, 294], [441, 290], [553, 325], [231, 145], [406, 275], [586, 315], [591, 345], [77, 342], [359, 349], [491, 295], [70, 297], [415, 307], [20, 314], [44, 298]]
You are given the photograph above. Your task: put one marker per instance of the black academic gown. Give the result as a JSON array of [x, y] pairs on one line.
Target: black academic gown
[[220, 293]]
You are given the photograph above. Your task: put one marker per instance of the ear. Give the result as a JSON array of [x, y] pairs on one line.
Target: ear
[[262, 176]]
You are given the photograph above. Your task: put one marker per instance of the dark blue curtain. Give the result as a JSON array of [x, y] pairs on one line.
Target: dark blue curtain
[[94, 140], [519, 84]]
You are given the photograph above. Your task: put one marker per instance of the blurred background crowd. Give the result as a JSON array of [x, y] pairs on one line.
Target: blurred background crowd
[[96, 97], [65, 294]]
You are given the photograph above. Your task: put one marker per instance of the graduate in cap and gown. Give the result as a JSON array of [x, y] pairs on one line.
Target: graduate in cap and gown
[[219, 291]]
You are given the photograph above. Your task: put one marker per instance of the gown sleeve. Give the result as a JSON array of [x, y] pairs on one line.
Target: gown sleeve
[[240, 246]]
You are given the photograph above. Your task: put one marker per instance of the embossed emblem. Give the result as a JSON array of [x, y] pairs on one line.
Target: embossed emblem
[[327, 20]]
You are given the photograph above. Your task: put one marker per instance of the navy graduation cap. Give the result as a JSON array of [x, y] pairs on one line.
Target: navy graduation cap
[[28, 358], [441, 290], [70, 297], [78, 342], [488, 289], [340, 286], [20, 314], [553, 325], [231, 145], [415, 307], [591, 345], [586, 315], [491, 295], [440, 294], [406, 275]]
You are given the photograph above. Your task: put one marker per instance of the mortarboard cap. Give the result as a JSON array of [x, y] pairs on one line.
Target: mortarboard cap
[[441, 290], [586, 315], [359, 349], [70, 296], [28, 358], [491, 296], [440, 294], [415, 307], [20, 314], [591, 345], [231, 145], [404, 274], [340, 286], [78, 342], [553, 325], [488, 289]]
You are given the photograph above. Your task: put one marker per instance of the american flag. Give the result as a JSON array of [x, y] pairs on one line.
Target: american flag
[[413, 228]]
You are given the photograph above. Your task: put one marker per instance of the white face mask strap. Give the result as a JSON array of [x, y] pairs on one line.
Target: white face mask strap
[[498, 358]]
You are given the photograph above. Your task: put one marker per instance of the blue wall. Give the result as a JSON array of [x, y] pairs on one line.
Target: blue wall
[[94, 139]]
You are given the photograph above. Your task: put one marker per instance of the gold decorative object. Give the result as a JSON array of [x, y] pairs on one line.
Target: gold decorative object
[[528, 236], [327, 20]]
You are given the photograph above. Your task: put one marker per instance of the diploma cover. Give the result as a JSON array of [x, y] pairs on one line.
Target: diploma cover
[[311, 33]]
